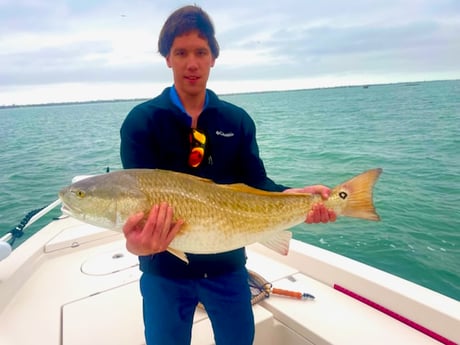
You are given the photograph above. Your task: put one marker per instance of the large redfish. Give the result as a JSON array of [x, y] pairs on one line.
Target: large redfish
[[218, 217]]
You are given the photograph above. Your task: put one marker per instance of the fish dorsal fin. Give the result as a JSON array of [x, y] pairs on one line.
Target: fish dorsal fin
[[237, 187], [279, 242], [241, 187]]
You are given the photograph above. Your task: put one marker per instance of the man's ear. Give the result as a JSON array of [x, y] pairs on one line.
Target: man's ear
[[168, 62]]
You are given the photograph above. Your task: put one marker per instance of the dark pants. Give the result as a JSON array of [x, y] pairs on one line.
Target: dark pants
[[169, 305]]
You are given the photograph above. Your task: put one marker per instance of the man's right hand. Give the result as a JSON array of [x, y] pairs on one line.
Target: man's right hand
[[154, 235]]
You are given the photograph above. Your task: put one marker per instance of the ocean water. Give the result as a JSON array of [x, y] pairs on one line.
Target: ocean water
[[321, 136]]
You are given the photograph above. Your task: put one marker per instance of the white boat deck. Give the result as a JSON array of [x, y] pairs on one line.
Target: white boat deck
[[76, 284]]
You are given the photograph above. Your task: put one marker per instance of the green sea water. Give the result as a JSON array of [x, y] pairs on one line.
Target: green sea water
[[325, 136]]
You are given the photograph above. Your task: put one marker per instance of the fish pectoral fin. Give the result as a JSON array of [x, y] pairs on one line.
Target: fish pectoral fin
[[178, 254], [279, 242]]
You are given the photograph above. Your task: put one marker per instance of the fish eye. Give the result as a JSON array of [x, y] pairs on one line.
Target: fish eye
[[79, 193]]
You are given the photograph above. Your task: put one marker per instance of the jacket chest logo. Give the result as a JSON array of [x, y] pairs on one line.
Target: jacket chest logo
[[226, 135]]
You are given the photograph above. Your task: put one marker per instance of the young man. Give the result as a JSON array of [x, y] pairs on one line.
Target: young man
[[189, 129]]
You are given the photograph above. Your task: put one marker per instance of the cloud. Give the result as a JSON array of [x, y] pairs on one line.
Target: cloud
[[358, 37], [79, 62], [46, 43]]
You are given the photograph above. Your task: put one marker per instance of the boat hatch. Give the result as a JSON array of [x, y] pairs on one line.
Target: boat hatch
[[95, 319], [76, 235], [112, 261]]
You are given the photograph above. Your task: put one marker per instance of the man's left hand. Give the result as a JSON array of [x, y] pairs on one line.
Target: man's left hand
[[318, 213]]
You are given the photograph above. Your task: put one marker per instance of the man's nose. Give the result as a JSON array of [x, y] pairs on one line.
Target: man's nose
[[192, 62]]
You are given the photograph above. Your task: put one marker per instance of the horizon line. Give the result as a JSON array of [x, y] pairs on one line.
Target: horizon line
[[6, 106]]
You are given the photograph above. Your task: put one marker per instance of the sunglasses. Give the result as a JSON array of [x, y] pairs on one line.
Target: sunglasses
[[197, 147]]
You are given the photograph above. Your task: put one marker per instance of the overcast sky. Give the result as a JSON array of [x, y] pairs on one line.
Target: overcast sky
[[57, 50]]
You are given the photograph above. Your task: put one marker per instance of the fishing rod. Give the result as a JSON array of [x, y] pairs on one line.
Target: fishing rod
[[7, 241]]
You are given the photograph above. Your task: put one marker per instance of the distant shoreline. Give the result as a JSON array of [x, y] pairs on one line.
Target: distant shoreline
[[70, 103], [365, 86]]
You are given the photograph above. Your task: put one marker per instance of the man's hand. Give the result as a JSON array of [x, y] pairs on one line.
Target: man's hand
[[153, 236], [318, 213]]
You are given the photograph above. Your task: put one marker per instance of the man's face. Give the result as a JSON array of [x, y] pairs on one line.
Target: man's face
[[191, 60]]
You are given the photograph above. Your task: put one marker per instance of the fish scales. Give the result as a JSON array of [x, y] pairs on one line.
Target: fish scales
[[219, 216]]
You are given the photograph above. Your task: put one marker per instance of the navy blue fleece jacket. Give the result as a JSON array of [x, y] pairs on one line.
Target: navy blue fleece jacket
[[155, 134]]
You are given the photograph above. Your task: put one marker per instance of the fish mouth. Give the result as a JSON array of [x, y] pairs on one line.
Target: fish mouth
[[67, 211], [72, 213]]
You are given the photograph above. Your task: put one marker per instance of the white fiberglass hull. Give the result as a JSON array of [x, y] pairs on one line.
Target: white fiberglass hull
[[72, 283]]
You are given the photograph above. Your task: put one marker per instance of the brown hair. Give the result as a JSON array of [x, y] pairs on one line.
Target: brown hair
[[184, 20]]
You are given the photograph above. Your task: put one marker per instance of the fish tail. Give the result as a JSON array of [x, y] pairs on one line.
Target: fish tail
[[358, 190]]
